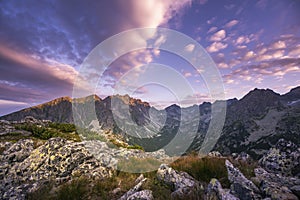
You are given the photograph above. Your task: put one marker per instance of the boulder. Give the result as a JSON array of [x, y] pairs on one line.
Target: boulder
[[283, 159], [240, 185], [57, 159], [216, 192], [183, 185], [18, 151], [141, 195], [135, 193], [275, 186]]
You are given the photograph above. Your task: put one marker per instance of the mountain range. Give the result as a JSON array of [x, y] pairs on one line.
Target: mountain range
[[253, 124]]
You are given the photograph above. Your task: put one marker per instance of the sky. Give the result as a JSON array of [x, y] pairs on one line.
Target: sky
[[254, 44]]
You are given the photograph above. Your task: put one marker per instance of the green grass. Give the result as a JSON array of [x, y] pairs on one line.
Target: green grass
[[138, 165]]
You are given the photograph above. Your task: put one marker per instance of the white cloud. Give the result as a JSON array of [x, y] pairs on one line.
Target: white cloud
[[216, 46], [231, 23], [189, 47], [278, 54], [218, 36], [212, 29], [152, 13], [278, 45], [8, 102], [295, 51], [223, 65], [242, 40], [249, 55]]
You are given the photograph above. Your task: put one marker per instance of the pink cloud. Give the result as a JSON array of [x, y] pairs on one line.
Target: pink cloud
[[231, 23], [152, 13], [218, 36], [216, 46]]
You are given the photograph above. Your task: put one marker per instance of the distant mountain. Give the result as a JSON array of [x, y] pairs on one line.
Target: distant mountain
[[57, 110], [257, 121], [253, 124]]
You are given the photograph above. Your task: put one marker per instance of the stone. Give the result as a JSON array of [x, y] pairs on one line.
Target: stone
[[214, 154], [30, 119], [134, 190], [216, 192], [243, 156], [275, 186], [141, 195], [240, 185], [183, 185], [116, 190], [18, 151], [57, 159], [283, 159]]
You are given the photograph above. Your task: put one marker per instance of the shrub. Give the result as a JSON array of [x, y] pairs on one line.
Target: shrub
[[63, 127]]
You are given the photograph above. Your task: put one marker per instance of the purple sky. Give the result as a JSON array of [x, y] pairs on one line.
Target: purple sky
[[43, 43]]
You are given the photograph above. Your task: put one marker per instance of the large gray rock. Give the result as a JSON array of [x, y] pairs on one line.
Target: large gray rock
[[18, 151], [57, 159], [283, 159], [136, 192], [275, 186], [216, 192], [240, 185], [183, 185], [141, 195]]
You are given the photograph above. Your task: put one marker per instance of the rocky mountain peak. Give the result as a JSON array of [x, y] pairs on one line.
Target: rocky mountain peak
[[126, 99], [255, 103], [260, 94]]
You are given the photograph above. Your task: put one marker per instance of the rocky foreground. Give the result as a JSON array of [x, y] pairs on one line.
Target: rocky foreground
[[24, 169], [29, 165]]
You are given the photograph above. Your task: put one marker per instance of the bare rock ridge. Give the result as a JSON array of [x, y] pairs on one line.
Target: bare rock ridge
[[253, 124]]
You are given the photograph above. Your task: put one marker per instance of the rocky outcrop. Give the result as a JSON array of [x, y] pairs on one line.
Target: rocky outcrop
[[240, 185], [18, 151], [216, 192], [136, 192], [183, 185], [141, 195], [24, 169], [275, 186], [283, 159]]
